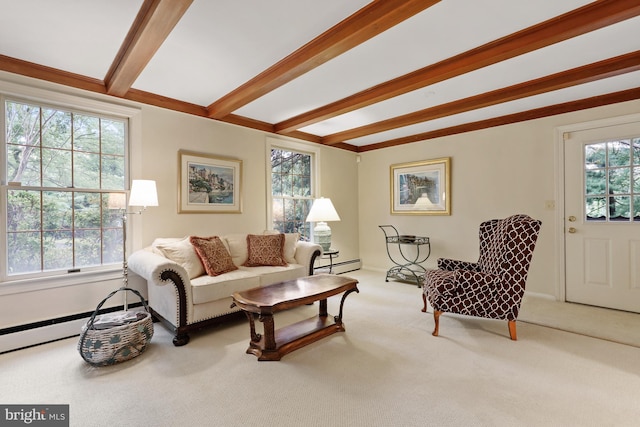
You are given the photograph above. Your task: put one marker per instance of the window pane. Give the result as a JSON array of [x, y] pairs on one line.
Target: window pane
[[112, 217], [86, 170], [24, 249], [23, 124], [57, 210], [595, 155], [596, 182], [636, 180], [58, 250], [276, 184], [278, 209], [23, 165], [112, 137], [619, 153], [88, 244], [112, 246], [619, 209], [86, 133], [56, 168], [636, 208], [23, 210], [302, 186], [596, 209], [86, 210], [56, 129], [635, 143], [113, 172], [619, 182]]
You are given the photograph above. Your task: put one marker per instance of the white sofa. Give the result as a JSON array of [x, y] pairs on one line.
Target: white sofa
[[185, 298]]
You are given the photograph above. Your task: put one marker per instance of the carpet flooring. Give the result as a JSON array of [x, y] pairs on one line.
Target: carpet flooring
[[385, 370]]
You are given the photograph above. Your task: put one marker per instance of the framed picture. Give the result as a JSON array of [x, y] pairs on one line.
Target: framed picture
[[421, 188], [208, 184]]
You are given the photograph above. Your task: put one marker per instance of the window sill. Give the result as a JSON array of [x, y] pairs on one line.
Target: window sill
[[10, 287]]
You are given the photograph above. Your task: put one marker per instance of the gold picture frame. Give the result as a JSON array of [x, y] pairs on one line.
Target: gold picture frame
[[208, 184], [421, 188]]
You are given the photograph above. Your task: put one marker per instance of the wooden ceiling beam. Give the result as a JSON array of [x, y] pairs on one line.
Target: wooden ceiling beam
[[54, 75], [368, 22], [588, 18], [537, 113], [155, 20], [588, 73]]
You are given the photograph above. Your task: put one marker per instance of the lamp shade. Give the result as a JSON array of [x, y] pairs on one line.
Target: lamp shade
[[143, 193], [322, 210]]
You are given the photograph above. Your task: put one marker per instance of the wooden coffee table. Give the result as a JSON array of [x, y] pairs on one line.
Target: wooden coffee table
[[267, 300]]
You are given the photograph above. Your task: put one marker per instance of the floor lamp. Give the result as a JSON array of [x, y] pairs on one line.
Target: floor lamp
[[143, 193]]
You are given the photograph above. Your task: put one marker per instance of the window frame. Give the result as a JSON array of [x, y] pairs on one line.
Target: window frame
[[283, 144], [44, 97]]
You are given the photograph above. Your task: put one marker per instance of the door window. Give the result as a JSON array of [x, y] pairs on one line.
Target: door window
[[612, 180]]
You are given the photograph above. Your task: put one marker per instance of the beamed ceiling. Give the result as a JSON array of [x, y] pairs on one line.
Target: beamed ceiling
[[353, 74]]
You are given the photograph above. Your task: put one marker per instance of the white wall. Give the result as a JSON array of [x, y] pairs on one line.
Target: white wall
[[495, 173]]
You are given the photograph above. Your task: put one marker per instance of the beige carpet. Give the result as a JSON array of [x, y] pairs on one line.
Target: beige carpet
[[385, 370], [613, 325]]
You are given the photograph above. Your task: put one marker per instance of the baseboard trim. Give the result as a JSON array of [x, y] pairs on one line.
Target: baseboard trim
[[340, 267], [45, 331]]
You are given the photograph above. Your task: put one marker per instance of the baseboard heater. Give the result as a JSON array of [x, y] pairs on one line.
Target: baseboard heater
[[45, 331], [339, 267]]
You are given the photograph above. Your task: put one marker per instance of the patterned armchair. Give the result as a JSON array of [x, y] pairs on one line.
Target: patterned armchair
[[492, 287]]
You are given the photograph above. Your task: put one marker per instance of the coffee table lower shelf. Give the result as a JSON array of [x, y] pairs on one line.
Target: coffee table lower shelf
[[294, 336]]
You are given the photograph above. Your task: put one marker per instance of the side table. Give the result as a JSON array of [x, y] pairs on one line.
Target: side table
[[331, 254]]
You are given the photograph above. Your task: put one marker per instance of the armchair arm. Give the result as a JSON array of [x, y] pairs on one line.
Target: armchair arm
[[454, 264], [476, 286], [306, 254]]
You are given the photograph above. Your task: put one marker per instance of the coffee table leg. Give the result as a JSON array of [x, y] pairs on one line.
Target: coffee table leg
[[338, 318], [252, 326], [323, 308], [269, 332]]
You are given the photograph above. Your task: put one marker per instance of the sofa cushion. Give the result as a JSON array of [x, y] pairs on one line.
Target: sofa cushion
[[265, 250], [271, 275], [290, 241], [213, 254], [212, 288], [182, 252], [237, 244]]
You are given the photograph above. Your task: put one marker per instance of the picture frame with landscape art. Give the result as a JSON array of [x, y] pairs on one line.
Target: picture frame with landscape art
[[209, 184], [421, 188]]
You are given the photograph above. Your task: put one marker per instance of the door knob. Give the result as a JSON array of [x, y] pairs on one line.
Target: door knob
[[572, 230], [572, 218]]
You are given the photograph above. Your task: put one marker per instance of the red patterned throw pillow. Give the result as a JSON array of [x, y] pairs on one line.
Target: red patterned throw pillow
[[214, 256], [265, 250]]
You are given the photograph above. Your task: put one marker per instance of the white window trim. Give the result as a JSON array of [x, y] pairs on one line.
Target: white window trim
[[302, 147], [74, 102]]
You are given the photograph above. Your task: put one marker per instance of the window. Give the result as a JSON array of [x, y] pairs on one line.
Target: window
[[612, 180], [292, 189], [61, 166]]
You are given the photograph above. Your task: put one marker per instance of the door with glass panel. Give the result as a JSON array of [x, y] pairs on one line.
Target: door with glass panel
[[602, 217]]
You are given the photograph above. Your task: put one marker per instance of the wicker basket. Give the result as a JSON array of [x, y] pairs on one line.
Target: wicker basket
[[103, 347]]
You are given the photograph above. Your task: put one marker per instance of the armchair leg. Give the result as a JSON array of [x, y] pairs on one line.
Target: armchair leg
[[436, 320], [512, 330], [424, 301]]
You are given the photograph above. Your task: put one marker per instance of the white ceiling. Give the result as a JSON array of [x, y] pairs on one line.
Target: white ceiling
[[217, 46]]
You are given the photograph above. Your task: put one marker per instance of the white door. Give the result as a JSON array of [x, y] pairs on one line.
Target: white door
[[602, 217]]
